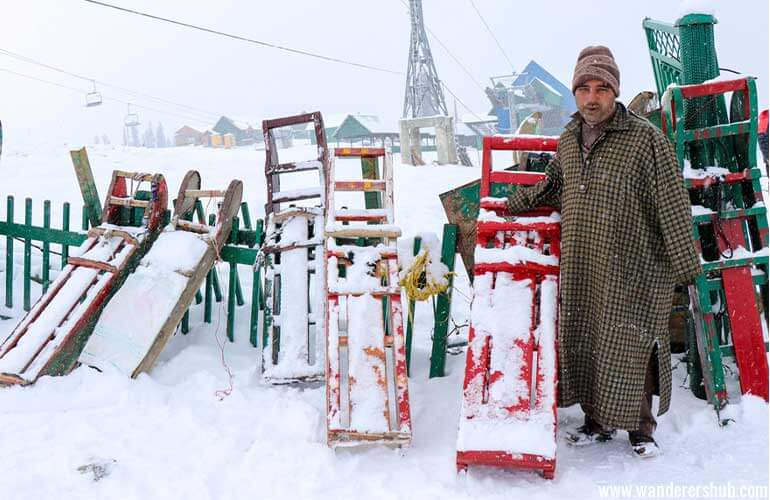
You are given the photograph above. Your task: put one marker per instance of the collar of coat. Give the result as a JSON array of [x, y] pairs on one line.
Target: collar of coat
[[619, 120]]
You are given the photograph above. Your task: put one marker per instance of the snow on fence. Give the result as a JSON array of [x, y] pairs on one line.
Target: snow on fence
[[240, 250]]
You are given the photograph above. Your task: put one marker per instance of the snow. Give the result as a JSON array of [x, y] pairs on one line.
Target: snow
[[366, 358], [436, 272], [293, 358], [170, 435], [688, 172], [45, 328], [513, 255], [132, 319], [296, 193]]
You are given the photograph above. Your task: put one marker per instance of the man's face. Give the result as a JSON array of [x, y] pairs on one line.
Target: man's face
[[595, 101]]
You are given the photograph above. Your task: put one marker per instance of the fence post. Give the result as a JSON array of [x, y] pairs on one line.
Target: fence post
[[9, 257], [214, 274], [46, 245], [27, 255], [65, 225], [232, 284], [443, 304], [410, 315], [255, 293], [93, 208]]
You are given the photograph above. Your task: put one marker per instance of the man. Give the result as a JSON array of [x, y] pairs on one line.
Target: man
[[626, 240]]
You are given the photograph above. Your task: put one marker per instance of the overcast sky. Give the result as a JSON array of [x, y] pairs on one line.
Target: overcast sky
[[248, 82]]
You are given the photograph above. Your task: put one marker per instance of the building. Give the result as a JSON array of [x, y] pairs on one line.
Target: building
[[211, 139], [244, 133], [515, 97], [331, 124], [365, 130], [186, 136]]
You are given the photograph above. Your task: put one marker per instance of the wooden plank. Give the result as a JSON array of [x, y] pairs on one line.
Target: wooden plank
[[365, 186], [128, 202], [93, 264], [102, 231], [193, 227], [359, 152], [205, 193], [135, 176], [746, 331], [362, 232], [87, 185]]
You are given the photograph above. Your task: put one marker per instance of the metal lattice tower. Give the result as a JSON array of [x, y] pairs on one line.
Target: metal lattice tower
[[423, 95]]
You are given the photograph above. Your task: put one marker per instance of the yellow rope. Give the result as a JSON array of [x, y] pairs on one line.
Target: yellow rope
[[416, 283]]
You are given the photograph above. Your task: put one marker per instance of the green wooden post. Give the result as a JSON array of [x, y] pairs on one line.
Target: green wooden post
[[87, 186], [9, 257], [186, 322], [255, 294], [207, 297], [443, 304], [65, 225], [46, 245], [84, 218], [246, 215], [199, 212], [370, 170], [27, 256], [410, 316], [267, 314], [214, 275], [231, 287]]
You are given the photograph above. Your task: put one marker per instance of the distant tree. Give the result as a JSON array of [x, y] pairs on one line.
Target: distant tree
[[105, 139], [148, 138], [96, 139], [135, 136], [160, 137]]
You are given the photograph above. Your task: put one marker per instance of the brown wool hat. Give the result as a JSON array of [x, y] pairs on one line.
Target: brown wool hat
[[596, 63]]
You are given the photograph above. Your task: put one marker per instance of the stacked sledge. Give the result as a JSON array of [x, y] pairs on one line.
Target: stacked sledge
[[719, 162]]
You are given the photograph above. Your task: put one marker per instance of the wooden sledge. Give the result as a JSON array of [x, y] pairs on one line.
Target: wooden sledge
[[367, 395], [295, 264], [50, 337], [136, 325], [508, 416]]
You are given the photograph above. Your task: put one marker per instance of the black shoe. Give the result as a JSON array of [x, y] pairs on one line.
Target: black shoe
[[585, 435], [642, 445]]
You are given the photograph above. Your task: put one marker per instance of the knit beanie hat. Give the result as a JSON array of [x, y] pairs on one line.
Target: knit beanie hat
[[596, 63]]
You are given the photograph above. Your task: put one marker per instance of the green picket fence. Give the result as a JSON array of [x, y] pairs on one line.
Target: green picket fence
[[241, 250]]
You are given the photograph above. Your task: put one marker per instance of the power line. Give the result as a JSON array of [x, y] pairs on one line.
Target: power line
[[245, 39], [208, 114], [492, 35], [81, 91]]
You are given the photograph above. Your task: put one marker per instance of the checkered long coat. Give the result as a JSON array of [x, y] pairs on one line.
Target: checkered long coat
[[626, 240]]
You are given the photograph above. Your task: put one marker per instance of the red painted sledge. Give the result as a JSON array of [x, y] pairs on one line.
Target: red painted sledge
[[508, 416]]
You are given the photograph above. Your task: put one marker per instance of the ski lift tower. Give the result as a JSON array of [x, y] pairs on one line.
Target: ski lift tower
[[423, 96], [424, 104]]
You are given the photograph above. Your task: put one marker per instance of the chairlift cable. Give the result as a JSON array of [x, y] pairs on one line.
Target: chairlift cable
[[245, 39]]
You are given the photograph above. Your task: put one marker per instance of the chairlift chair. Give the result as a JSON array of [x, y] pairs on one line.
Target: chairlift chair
[[93, 98], [131, 119]]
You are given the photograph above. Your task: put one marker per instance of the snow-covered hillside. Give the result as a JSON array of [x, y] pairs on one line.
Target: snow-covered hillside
[[169, 435]]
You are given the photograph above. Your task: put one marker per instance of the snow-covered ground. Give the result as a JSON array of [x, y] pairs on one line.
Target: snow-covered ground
[[169, 435]]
